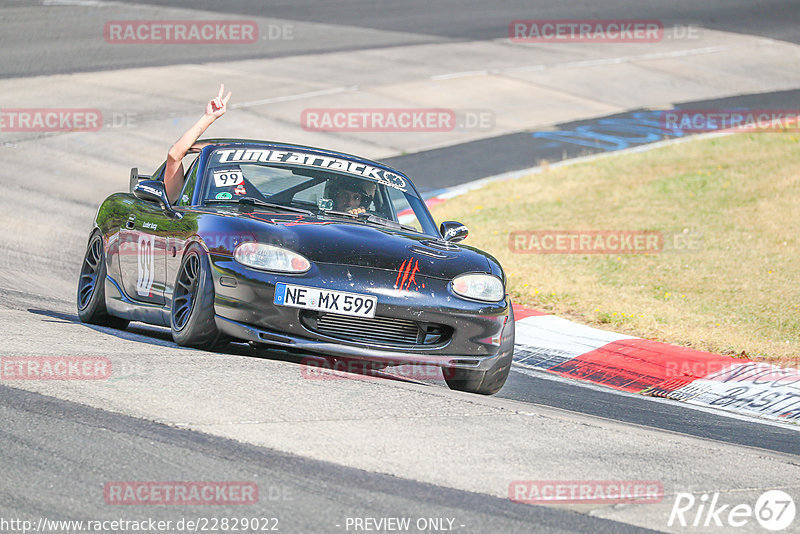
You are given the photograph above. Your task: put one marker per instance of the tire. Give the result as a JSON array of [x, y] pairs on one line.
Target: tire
[[492, 380], [91, 295], [192, 311]]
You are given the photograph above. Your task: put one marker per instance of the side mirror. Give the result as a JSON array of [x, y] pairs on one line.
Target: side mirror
[[453, 231], [153, 191], [136, 178]]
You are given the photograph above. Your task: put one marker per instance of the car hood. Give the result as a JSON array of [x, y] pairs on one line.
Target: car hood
[[359, 244]]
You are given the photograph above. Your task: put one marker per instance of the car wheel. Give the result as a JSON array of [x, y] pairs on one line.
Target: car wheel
[[91, 298], [492, 380], [192, 313]]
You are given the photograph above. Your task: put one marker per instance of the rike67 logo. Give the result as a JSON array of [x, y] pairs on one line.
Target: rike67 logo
[[774, 510]]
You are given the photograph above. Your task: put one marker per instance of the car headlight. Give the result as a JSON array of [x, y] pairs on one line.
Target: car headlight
[[479, 287], [270, 258]]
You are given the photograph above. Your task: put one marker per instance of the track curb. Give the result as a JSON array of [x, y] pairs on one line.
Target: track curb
[[551, 344], [555, 345]]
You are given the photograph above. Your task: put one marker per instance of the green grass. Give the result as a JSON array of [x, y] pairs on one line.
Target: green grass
[[737, 291]]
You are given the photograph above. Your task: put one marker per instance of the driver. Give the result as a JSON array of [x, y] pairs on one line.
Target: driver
[[353, 196]]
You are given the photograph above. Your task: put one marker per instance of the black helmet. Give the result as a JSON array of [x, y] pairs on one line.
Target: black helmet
[[366, 188]]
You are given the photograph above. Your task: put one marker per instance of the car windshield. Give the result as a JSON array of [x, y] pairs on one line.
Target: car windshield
[[327, 186]]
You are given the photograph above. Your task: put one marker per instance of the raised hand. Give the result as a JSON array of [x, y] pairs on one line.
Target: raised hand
[[217, 107], [173, 170]]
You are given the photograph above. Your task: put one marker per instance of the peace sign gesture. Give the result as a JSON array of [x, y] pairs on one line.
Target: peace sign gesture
[[217, 107], [173, 170]]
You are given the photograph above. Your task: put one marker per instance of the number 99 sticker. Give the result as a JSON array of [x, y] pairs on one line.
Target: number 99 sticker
[[228, 178]]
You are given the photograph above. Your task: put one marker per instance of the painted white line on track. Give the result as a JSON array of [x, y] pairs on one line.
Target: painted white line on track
[[484, 72], [642, 57], [79, 3], [585, 63], [464, 74], [298, 96]]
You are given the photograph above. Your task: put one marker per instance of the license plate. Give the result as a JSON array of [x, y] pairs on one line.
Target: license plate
[[314, 298]]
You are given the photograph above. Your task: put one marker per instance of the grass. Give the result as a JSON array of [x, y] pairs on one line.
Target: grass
[[728, 278]]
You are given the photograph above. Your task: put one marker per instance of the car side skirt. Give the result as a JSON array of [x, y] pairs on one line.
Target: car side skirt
[[122, 306]]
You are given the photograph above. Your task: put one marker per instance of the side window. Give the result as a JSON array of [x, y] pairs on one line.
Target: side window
[[190, 179], [405, 214], [158, 174]]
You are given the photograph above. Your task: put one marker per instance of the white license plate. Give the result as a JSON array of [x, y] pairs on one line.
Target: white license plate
[[314, 298]]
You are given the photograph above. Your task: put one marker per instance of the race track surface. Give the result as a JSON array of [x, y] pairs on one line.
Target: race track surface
[[323, 451], [319, 26]]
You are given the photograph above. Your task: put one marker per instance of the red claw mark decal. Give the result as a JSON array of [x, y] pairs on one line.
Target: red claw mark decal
[[408, 271]]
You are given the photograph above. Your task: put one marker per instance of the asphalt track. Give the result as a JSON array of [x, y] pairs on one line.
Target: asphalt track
[[476, 20], [544, 389], [57, 453], [29, 48], [454, 165]]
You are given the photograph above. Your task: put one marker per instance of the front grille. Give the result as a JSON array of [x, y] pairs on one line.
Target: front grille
[[378, 330]]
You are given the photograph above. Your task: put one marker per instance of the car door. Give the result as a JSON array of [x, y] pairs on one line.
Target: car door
[[143, 244]]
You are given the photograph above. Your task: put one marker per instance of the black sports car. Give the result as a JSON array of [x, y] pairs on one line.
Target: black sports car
[[301, 248]]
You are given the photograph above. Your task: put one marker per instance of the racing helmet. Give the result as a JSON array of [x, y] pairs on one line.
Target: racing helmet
[[365, 188]]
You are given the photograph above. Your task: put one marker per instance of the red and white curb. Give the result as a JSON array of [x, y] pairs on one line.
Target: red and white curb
[[555, 345]]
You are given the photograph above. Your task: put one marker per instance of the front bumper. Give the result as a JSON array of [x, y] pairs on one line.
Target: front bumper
[[355, 352], [247, 312]]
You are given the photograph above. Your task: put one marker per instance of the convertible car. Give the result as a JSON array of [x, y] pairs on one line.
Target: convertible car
[[303, 249]]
